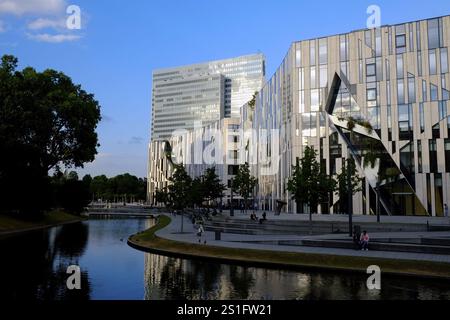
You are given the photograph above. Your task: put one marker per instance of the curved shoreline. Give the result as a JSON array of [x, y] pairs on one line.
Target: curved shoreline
[[148, 241], [4, 234]]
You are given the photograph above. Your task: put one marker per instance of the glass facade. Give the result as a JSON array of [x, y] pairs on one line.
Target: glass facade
[[397, 99], [203, 92]]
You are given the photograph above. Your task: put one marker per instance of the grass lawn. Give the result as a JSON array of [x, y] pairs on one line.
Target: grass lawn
[[148, 240], [9, 223]]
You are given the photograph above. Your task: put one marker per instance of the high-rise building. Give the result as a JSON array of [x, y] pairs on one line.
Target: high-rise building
[[205, 92], [207, 95]]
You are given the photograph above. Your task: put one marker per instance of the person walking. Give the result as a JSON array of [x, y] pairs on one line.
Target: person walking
[[200, 232], [446, 210], [364, 241]]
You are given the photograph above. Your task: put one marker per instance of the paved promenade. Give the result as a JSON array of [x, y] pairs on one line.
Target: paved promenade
[[172, 232]]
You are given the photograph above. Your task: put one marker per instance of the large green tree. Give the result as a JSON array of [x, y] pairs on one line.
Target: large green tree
[[309, 183], [212, 187], [179, 188], [46, 122], [342, 183], [244, 183]]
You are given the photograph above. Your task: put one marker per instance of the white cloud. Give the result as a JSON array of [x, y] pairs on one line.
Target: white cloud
[[53, 38], [42, 23], [20, 7]]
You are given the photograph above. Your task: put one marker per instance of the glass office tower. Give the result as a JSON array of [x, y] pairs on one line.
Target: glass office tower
[[205, 92]]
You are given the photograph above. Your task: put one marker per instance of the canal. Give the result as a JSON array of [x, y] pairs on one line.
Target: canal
[[33, 267]]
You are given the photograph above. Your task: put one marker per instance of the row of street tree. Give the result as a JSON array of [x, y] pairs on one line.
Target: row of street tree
[[309, 184]]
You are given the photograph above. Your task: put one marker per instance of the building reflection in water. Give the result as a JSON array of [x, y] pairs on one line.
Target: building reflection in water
[[173, 278]]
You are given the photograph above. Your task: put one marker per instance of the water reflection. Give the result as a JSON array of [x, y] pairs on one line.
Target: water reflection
[[172, 278], [35, 264], [33, 267]]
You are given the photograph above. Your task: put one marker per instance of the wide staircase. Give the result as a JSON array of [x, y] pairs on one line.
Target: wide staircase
[[427, 245], [289, 227]]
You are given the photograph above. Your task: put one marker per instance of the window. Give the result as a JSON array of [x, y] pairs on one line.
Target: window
[[419, 45], [419, 63], [432, 61], [314, 100], [301, 101], [312, 52], [433, 34], [442, 105], [388, 92], [298, 57], [433, 92], [411, 89], [378, 47], [374, 116], [313, 78], [323, 56], [400, 91], [424, 91], [422, 117], [405, 121], [371, 94], [323, 76], [400, 74], [343, 48], [444, 60], [309, 125], [400, 43], [301, 79], [433, 155], [371, 69]]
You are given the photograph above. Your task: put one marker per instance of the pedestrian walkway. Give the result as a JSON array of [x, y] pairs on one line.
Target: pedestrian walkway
[[258, 242]]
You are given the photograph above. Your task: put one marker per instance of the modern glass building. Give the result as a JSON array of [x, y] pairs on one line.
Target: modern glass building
[[205, 92], [381, 92]]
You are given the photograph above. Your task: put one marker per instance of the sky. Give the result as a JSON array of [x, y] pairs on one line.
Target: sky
[[120, 42]]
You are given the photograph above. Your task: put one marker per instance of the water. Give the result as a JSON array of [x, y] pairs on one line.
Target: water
[[33, 266]]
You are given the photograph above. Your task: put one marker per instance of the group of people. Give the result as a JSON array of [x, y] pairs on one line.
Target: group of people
[[254, 217], [361, 240]]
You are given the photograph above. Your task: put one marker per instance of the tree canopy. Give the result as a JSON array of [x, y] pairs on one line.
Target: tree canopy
[[46, 122], [309, 182]]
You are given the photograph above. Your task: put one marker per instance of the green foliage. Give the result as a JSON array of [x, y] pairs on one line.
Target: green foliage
[[46, 122], [309, 182], [122, 187], [342, 185], [71, 194], [244, 182], [179, 188], [252, 102]]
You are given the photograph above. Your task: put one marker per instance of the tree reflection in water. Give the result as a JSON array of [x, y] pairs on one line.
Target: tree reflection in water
[[34, 264]]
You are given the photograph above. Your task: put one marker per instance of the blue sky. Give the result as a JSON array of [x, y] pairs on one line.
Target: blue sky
[[120, 43]]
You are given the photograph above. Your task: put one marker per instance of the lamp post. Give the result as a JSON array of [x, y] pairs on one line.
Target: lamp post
[[349, 202], [231, 199]]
